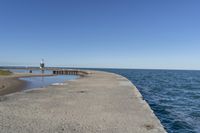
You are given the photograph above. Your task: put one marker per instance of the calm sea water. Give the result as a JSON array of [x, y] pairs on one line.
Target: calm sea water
[[173, 95]]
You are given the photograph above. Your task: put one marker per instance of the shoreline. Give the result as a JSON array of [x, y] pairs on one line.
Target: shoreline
[[100, 102], [11, 85]]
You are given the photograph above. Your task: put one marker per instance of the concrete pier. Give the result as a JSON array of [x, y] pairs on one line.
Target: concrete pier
[[70, 72], [101, 102]]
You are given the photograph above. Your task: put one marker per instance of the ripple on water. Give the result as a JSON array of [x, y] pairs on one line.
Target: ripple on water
[[173, 95]]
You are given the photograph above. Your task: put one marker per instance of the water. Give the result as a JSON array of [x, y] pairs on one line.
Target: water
[[33, 71], [41, 82], [173, 95]]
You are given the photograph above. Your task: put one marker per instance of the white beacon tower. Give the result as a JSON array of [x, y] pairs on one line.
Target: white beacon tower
[[42, 65]]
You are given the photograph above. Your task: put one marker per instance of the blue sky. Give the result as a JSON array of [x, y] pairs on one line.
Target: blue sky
[[158, 34]]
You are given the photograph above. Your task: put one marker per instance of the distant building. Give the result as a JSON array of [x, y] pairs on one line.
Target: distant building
[[42, 65]]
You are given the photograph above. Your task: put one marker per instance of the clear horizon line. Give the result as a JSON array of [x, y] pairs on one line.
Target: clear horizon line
[[106, 67]]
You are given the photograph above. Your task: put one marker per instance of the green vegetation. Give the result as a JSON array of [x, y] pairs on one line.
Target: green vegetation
[[5, 72]]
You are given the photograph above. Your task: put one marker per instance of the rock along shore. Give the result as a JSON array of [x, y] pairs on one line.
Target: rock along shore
[[101, 102]]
